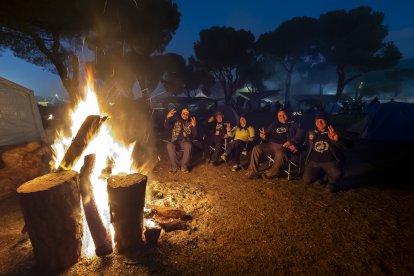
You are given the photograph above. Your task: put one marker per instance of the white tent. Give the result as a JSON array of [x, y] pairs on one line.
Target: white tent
[[20, 120]]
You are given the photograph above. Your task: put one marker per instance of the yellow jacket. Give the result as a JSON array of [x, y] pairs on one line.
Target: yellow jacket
[[242, 134]]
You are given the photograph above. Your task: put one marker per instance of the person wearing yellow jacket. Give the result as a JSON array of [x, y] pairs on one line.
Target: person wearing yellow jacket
[[242, 134]]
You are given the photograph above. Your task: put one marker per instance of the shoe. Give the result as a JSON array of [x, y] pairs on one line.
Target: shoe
[[269, 175], [224, 157], [235, 168], [172, 171], [252, 175], [185, 170]]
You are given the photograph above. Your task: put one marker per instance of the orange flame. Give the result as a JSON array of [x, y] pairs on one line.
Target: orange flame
[[104, 146]]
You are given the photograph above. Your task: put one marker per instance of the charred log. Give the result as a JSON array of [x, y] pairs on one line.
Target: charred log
[[126, 198], [89, 129], [100, 236]]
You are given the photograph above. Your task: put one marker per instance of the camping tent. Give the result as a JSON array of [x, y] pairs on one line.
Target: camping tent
[[392, 121], [19, 116]]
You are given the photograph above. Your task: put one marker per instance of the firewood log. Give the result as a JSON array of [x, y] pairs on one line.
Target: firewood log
[[52, 213], [169, 212], [101, 238], [89, 128], [126, 198]]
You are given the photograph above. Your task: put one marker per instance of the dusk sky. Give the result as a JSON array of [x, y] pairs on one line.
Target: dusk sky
[[257, 16]]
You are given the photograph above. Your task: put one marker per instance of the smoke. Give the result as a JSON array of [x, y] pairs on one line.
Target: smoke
[[130, 121]]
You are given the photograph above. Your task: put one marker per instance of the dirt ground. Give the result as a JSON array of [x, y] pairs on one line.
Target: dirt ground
[[259, 226]]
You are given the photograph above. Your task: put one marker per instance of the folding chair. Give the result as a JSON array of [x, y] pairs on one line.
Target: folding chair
[[293, 168], [224, 147]]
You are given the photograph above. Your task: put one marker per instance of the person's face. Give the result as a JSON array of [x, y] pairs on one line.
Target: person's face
[[282, 117], [219, 118], [242, 121], [184, 115], [320, 124]]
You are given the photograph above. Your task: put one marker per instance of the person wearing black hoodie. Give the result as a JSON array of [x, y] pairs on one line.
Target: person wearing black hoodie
[[280, 137], [324, 155], [216, 136]]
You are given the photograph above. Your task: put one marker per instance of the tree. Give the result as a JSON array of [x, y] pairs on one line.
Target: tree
[[355, 40], [130, 36], [321, 74], [51, 33], [46, 33], [292, 42], [223, 52]]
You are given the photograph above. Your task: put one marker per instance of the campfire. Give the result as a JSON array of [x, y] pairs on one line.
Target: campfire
[[91, 165]]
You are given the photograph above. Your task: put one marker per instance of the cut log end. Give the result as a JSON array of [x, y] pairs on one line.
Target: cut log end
[[123, 181], [47, 182]]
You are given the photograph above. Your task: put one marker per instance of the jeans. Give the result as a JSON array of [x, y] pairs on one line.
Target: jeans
[[186, 146], [269, 148], [234, 150], [315, 171]]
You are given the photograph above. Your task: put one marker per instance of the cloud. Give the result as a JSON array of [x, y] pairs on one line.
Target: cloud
[[404, 39]]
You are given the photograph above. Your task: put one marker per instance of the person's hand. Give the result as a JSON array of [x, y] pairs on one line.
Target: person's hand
[[171, 113], [262, 133], [226, 136], [211, 119], [193, 122], [332, 134], [293, 149], [287, 144], [228, 127], [250, 139]]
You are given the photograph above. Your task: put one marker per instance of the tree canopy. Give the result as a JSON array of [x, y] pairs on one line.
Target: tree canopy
[[51, 33], [223, 52], [290, 43], [355, 39]]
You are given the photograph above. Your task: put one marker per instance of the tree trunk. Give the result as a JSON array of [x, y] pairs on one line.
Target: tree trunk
[[101, 237], [288, 83], [126, 198], [341, 82], [321, 87], [52, 213]]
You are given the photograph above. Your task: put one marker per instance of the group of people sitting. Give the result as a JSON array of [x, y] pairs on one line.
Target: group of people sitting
[[282, 140]]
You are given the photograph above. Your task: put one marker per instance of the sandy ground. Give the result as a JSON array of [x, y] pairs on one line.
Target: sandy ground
[[245, 226]]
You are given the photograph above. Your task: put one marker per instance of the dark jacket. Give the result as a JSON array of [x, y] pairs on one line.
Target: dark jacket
[[334, 147], [181, 129], [295, 134]]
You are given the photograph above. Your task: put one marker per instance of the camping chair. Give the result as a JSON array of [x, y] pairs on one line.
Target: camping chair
[[293, 164], [196, 145], [224, 147]]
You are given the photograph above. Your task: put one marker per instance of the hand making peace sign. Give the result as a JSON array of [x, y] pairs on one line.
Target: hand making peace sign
[[332, 134], [171, 113]]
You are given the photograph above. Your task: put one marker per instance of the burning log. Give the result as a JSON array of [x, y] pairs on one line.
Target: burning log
[[126, 198], [100, 236], [52, 213], [90, 127]]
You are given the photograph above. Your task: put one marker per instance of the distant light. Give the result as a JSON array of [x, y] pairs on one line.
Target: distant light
[[50, 117], [56, 95]]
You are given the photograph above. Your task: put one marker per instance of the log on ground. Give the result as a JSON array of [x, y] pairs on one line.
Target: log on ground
[[169, 212], [126, 198], [52, 213]]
